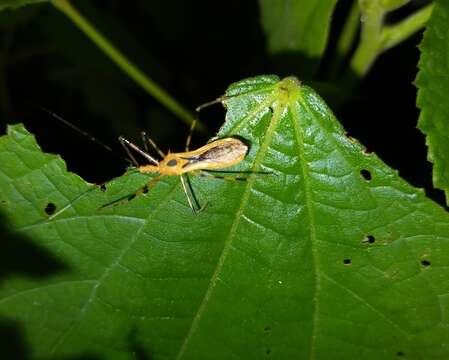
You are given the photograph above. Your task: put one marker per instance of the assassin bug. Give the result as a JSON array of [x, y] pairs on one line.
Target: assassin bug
[[218, 154]]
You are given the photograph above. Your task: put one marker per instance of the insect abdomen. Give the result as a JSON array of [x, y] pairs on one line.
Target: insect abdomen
[[216, 155]]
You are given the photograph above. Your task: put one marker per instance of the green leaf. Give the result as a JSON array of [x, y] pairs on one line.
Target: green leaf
[[328, 256], [298, 27], [14, 4], [433, 87]]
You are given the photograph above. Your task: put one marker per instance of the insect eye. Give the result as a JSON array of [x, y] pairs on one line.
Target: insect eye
[[172, 162]]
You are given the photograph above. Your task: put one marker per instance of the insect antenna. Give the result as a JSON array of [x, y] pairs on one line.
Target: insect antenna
[[130, 160], [210, 103]]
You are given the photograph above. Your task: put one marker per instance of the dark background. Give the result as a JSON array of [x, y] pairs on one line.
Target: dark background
[[194, 49]]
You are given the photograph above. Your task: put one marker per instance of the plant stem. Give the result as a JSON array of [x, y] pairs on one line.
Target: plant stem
[[376, 38], [346, 40], [372, 15], [125, 64], [349, 30], [394, 34]]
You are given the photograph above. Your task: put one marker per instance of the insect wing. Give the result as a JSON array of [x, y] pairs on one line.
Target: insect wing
[[216, 155]]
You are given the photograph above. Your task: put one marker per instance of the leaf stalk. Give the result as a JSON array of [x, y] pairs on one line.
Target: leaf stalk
[[124, 63]]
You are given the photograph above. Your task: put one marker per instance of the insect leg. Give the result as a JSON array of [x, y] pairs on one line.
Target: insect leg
[[144, 137], [125, 199], [147, 140], [133, 159], [210, 103], [126, 142], [191, 198], [189, 137], [222, 177], [70, 204]]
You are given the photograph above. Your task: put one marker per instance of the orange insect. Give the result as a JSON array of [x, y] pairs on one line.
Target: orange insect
[[218, 154]]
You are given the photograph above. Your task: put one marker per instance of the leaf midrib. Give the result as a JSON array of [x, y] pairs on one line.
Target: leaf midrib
[[228, 242], [311, 215]]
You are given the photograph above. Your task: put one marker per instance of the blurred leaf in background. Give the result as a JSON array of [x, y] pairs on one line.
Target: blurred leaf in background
[[297, 32]]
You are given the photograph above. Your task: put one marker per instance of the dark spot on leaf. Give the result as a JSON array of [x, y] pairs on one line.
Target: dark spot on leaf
[[399, 353], [370, 239], [132, 196], [103, 187], [268, 352], [50, 209], [365, 174], [267, 329], [172, 162], [145, 189], [425, 263], [347, 261]]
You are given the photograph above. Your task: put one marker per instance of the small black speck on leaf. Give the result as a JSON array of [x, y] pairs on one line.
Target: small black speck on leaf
[[399, 353], [365, 174], [370, 239], [425, 262], [50, 209], [268, 352], [347, 261], [103, 187]]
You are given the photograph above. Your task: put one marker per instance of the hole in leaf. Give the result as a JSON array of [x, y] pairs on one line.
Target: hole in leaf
[[103, 187], [365, 174], [425, 262], [50, 209], [370, 239], [347, 261], [399, 353]]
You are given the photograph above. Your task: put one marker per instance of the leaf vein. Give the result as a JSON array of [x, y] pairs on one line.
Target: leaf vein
[[313, 238], [228, 242], [106, 272]]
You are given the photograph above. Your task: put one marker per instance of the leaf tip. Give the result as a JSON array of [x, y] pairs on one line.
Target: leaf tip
[[288, 90]]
